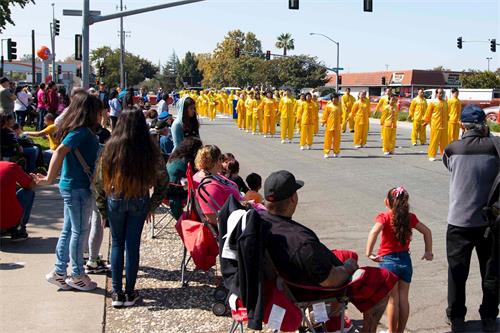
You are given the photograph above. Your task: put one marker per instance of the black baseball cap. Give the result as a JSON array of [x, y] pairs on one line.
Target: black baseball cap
[[473, 114], [281, 185]]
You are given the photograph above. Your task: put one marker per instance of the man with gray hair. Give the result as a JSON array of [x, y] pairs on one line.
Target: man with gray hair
[[474, 165]]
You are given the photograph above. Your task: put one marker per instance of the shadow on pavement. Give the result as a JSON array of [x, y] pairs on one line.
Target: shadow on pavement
[[192, 297], [175, 275], [35, 245], [8, 266]]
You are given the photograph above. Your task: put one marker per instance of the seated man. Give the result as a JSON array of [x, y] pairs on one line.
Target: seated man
[[14, 218], [301, 258]]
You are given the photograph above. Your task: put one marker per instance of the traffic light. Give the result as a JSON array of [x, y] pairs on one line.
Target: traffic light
[[11, 50], [57, 27], [293, 4], [59, 69], [368, 5], [340, 79], [78, 47], [268, 55], [79, 72], [383, 80], [102, 71], [237, 52], [493, 45], [459, 42]]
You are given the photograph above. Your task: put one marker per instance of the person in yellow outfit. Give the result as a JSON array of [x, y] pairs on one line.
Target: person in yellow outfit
[[390, 122], [241, 109], [249, 110], [360, 113], [287, 116], [316, 114], [260, 113], [269, 105], [455, 112], [305, 118], [332, 118], [223, 100], [437, 116], [382, 103], [298, 106], [213, 102], [347, 102], [418, 107], [230, 100]]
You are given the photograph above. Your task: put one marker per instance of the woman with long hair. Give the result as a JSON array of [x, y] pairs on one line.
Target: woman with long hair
[[186, 124], [129, 166], [75, 157]]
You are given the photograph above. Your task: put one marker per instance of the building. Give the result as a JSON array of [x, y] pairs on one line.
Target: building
[[405, 82]]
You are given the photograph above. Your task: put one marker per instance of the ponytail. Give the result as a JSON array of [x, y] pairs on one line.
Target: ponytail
[[398, 202]]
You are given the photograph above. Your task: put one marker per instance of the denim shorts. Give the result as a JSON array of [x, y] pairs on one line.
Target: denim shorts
[[399, 263]]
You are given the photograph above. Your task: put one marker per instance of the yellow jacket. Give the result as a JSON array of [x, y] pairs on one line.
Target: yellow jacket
[[305, 113], [347, 102], [390, 116], [437, 114], [454, 110], [252, 107], [360, 111], [418, 106], [287, 108], [332, 117], [316, 111], [269, 106], [382, 103], [240, 107]]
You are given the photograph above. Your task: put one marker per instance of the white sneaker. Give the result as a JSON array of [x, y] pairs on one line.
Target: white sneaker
[[432, 159], [253, 133], [413, 144], [302, 148], [58, 280], [81, 282], [386, 153], [308, 147], [357, 146], [282, 142], [336, 155], [325, 156]]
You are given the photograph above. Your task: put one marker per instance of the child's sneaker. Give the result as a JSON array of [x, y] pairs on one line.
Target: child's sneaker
[[131, 298], [117, 299], [96, 266], [58, 280], [81, 282]]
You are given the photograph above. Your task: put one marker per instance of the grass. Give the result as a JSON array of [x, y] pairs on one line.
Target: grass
[[494, 126], [44, 143], [402, 116]]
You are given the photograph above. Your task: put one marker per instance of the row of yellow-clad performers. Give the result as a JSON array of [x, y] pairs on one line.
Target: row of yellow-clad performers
[[209, 103]]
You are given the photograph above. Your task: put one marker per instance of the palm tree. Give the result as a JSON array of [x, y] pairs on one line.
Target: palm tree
[[285, 42]]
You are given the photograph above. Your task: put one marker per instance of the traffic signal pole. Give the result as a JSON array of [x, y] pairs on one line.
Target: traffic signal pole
[[53, 45]]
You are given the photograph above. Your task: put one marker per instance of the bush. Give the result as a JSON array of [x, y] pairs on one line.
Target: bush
[[494, 127], [376, 114], [403, 116]]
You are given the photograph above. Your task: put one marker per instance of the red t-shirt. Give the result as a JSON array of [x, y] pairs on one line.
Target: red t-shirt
[[10, 209], [389, 243]]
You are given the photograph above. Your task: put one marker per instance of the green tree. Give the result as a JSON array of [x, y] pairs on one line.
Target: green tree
[[188, 71], [285, 42], [480, 79], [297, 72], [138, 69], [5, 13]]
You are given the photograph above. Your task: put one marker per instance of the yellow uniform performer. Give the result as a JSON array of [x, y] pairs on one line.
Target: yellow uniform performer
[[269, 106], [418, 106], [382, 103], [305, 117], [389, 126], [298, 106], [213, 106], [249, 109], [455, 112], [218, 104], [360, 113], [223, 100], [230, 100], [316, 114], [332, 117], [241, 109], [437, 116], [199, 104], [287, 119], [347, 102]]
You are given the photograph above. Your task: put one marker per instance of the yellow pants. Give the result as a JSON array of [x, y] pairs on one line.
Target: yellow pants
[[418, 132], [269, 125], [453, 132], [332, 137], [287, 126], [360, 133], [256, 121], [306, 134], [248, 121], [439, 137], [316, 126], [345, 120], [241, 120], [389, 139]]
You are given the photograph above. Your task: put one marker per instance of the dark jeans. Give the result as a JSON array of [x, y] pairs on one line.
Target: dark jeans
[[113, 121], [25, 198], [41, 115], [31, 155], [460, 243], [126, 220], [21, 117]]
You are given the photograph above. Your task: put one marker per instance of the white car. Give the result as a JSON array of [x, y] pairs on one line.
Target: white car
[[492, 113]]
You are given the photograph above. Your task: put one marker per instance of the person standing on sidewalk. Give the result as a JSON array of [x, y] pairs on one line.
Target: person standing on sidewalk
[[416, 112], [437, 116], [52, 98], [123, 199], [455, 110], [473, 163], [347, 102], [76, 155], [360, 113], [41, 99]]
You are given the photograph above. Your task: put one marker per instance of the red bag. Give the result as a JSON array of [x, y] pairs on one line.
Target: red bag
[[293, 315]]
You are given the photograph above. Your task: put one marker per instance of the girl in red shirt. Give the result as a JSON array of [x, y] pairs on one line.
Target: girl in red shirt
[[396, 225]]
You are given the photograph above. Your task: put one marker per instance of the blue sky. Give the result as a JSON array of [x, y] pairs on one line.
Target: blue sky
[[418, 34]]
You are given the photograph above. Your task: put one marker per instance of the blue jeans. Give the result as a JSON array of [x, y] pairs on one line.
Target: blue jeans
[[126, 220], [47, 156], [31, 154], [21, 117], [25, 198], [77, 210], [41, 115], [399, 263]]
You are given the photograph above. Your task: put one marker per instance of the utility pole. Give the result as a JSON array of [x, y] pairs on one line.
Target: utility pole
[[386, 67], [85, 44], [33, 66], [489, 58], [122, 50], [53, 42]]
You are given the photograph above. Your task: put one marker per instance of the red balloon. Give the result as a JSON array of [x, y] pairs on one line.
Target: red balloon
[[43, 53]]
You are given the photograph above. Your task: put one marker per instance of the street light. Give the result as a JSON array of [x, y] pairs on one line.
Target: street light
[[489, 58], [336, 69]]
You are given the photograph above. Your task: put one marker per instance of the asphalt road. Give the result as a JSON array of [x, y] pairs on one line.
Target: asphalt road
[[342, 196]]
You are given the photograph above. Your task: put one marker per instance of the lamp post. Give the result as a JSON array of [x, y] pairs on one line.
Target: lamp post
[[489, 58], [338, 47]]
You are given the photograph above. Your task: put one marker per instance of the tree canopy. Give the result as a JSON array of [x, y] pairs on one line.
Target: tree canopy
[[5, 13], [480, 80], [285, 42]]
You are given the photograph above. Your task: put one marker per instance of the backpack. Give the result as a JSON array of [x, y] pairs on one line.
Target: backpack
[[492, 209]]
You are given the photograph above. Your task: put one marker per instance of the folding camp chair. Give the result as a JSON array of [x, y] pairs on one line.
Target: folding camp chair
[[161, 223]]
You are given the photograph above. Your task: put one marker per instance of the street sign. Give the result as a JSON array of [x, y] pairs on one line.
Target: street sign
[[77, 12], [337, 69]]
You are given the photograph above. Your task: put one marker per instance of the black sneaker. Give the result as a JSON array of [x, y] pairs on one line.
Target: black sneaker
[[117, 299], [489, 324], [457, 324], [131, 298], [19, 235], [96, 266]]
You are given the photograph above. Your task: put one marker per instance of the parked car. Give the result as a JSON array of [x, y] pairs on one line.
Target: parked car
[[492, 113]]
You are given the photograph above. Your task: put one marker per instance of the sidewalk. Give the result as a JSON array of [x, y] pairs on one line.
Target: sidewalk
[[28, 302]]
